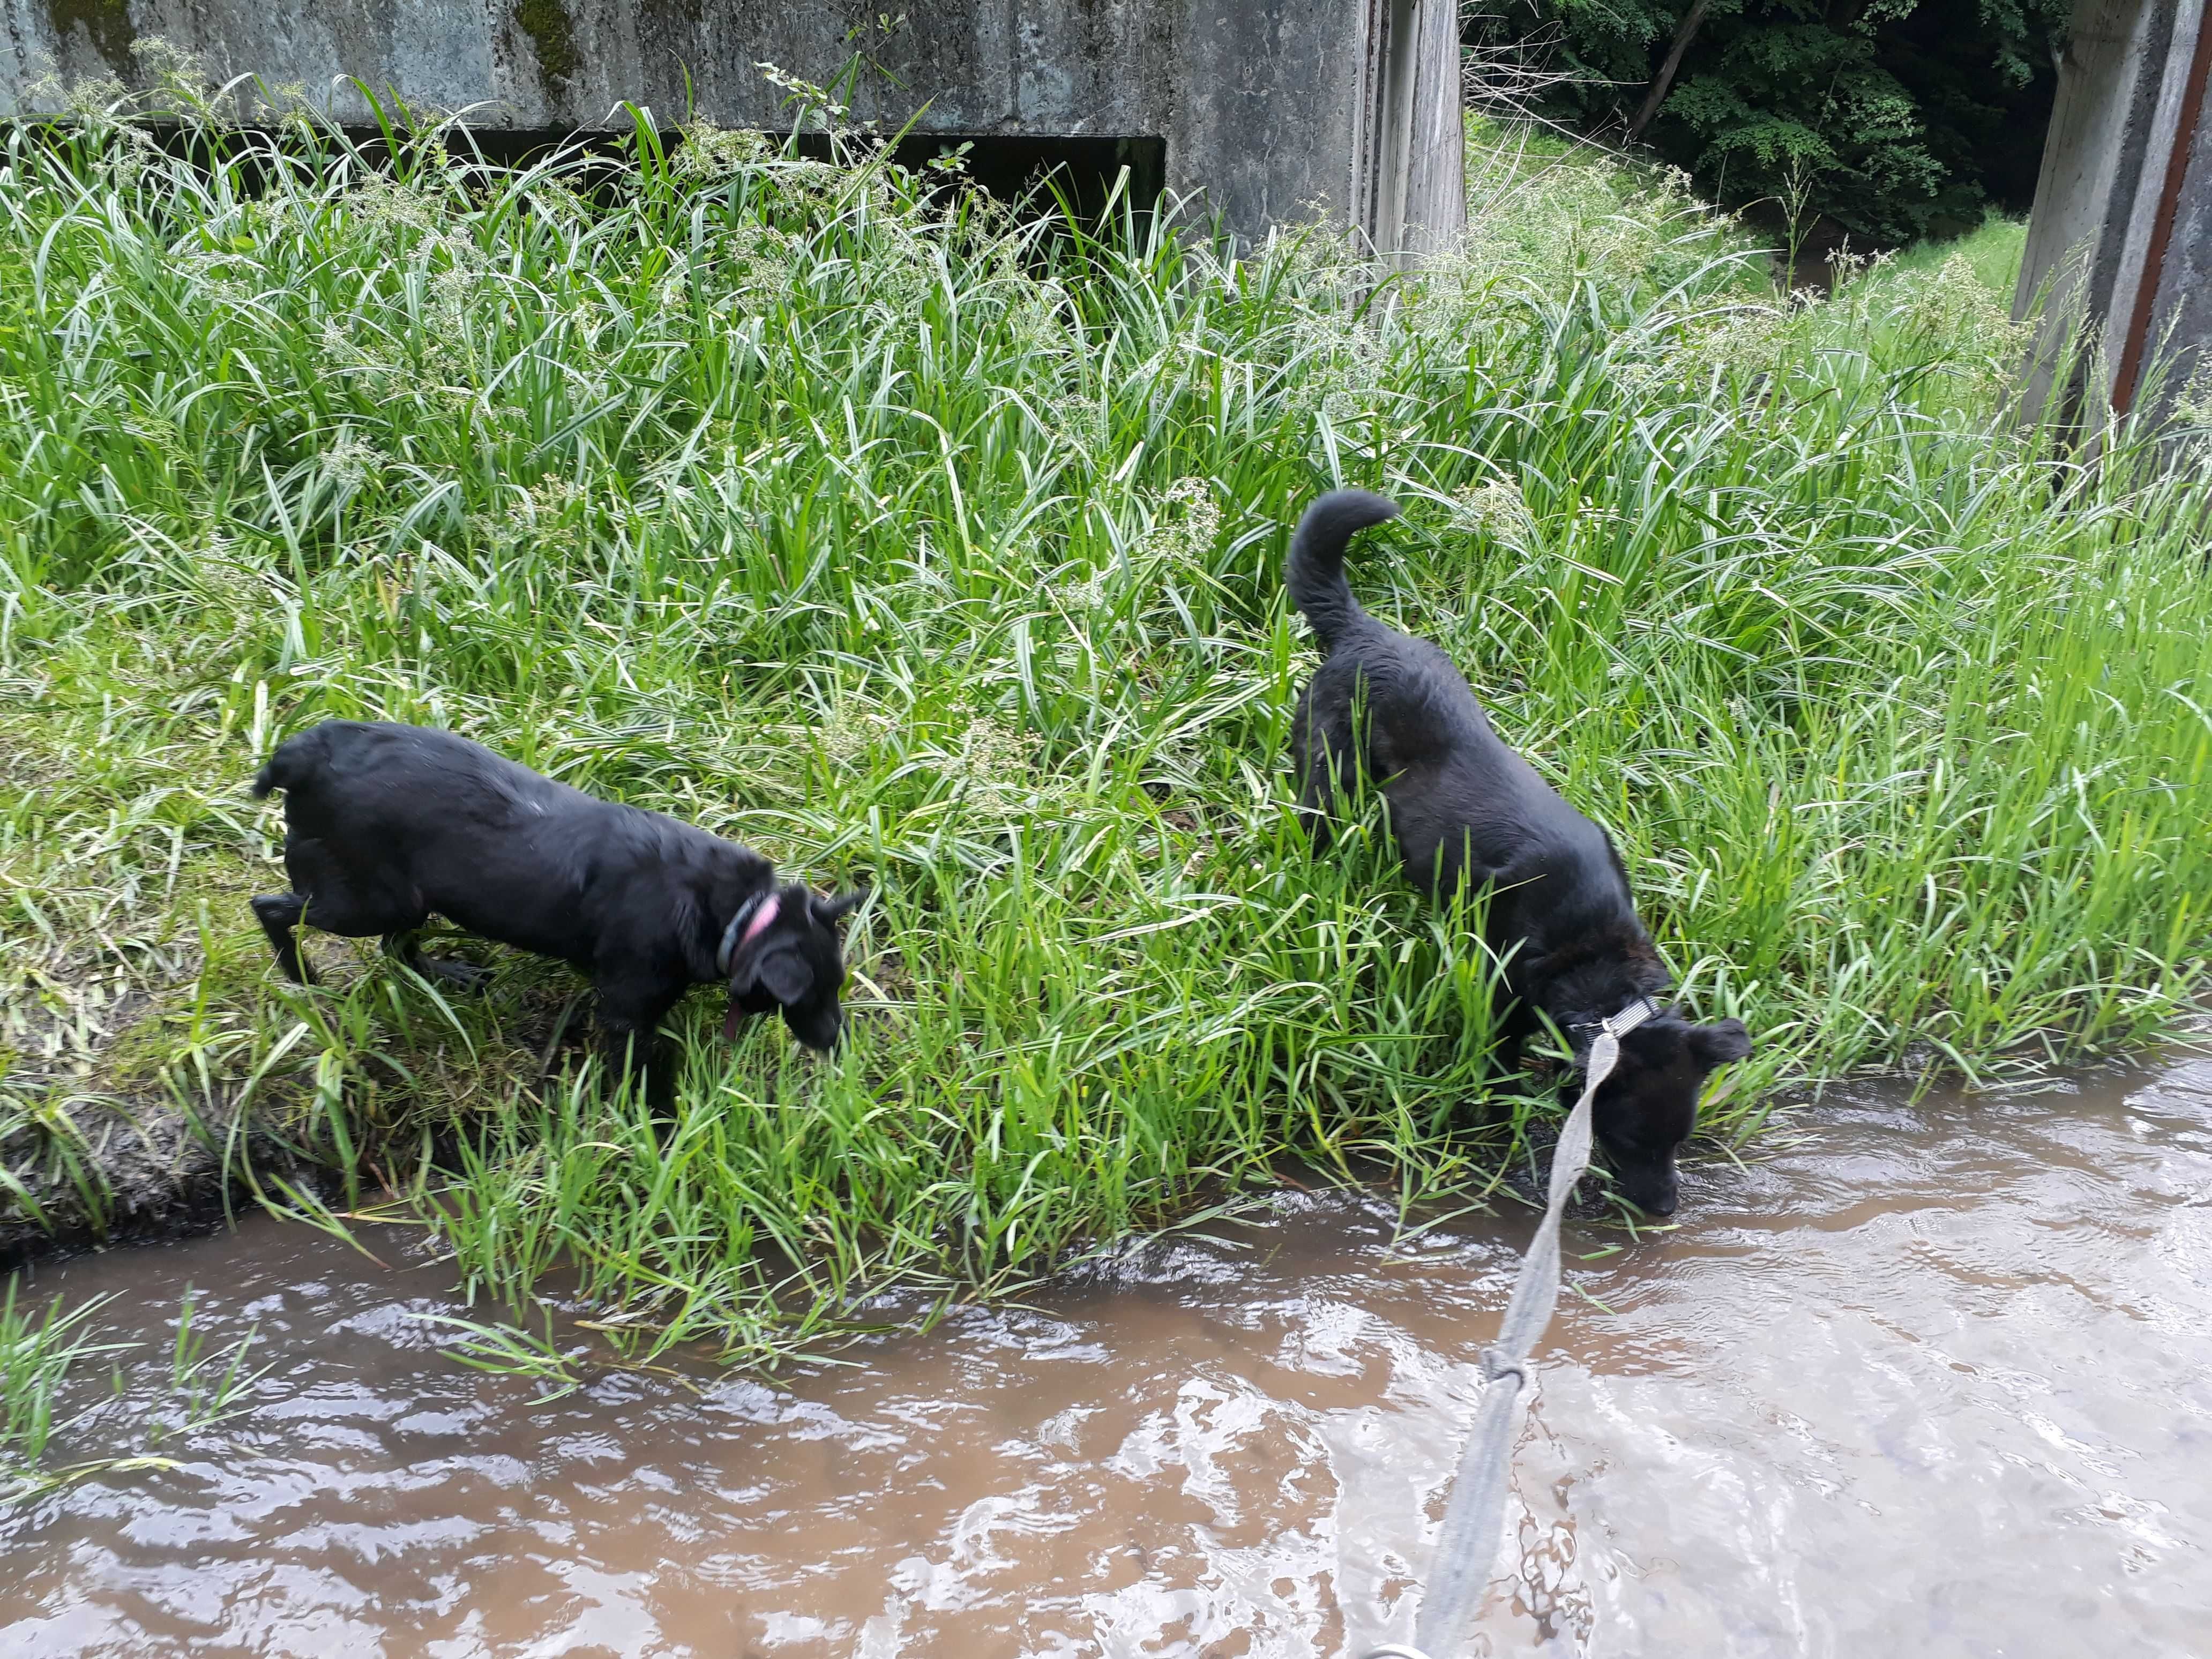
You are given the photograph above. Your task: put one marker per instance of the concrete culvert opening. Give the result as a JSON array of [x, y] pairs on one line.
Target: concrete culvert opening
[[1256, 114], [1087, 176], [1074, 184]]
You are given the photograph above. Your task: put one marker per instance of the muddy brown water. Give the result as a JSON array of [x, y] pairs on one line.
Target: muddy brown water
[[1931, 1380]]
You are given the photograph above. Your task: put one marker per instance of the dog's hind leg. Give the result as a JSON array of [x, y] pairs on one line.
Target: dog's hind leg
[[1318, 770], [1317, 808], [279, 914], [330, 899], [466, 977]]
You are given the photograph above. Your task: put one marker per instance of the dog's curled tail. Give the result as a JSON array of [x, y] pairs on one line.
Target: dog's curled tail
[[290, 766], [1315, 576]]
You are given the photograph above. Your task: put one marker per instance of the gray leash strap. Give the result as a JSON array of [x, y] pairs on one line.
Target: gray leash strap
[[1468, 1543]]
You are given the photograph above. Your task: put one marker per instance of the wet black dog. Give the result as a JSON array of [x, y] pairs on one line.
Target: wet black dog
[[1464, 808], [387, 824]]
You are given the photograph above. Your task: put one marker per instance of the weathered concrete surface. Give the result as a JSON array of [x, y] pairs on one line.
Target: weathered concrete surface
[[2180, 321], [1267, 106], [2118, 245]]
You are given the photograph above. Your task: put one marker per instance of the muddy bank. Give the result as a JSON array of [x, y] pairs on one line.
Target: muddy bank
[[94, 1147], [100, 1144], [90, 1152], [95, 1174], [1929, 1379]]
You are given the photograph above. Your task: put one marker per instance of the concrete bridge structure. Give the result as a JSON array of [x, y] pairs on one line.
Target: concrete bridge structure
[[2120, 244], [1258, 110]]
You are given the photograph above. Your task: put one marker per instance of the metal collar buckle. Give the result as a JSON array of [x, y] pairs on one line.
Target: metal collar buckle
[[1636, 1012]]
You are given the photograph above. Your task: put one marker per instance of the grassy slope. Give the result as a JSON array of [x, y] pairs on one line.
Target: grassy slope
[[919, 550], [1993, 253]]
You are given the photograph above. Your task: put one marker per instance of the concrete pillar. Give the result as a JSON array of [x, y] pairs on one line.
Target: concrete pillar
[[2119, 248], [2175, 316], [1408, 156], [1263, 109]]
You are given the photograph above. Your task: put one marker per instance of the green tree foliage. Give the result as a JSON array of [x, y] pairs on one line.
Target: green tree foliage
[[1894, 119]]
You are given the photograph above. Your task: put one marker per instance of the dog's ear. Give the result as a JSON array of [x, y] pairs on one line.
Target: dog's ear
[[770, 960], [830, 912], [1719, 1043], [785, 975]]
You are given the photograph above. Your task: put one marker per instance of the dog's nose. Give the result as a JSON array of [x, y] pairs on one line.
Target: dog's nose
[[1662, 1203]]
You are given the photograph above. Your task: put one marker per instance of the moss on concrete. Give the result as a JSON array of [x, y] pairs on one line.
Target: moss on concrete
[[553, 34], [107, 22]]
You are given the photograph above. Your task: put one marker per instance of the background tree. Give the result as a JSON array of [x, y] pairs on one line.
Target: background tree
[[1894, 119]]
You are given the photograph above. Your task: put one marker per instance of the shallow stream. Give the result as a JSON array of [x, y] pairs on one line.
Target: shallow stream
[[1923, 1380]]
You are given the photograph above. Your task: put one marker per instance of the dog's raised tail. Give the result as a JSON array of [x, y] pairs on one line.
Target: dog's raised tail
[[1315, 575], [296, 757]]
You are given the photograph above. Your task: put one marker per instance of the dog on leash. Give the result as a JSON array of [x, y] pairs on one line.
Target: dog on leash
[[1469, 813], [387, 824]]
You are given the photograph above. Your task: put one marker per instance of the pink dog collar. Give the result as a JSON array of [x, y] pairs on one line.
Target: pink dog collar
[[754, 919], [761, 910]]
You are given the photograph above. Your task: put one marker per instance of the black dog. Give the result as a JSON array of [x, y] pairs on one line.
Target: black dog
[[388, 824], [1465, 809]]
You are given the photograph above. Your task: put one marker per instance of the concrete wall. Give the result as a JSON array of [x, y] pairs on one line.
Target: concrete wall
[[2177, 320], [1266, 107], [2118, 247]]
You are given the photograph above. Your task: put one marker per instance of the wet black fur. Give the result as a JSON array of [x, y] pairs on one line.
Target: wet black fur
[[1465, 808], [387, 824]]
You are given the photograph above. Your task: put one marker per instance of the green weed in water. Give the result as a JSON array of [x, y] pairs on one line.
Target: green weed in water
[[36, 1353]]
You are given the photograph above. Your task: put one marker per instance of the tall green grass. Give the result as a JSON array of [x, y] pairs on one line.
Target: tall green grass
[[828, 507]]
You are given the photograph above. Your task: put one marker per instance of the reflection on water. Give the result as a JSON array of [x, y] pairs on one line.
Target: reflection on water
[[1931, 1381]]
